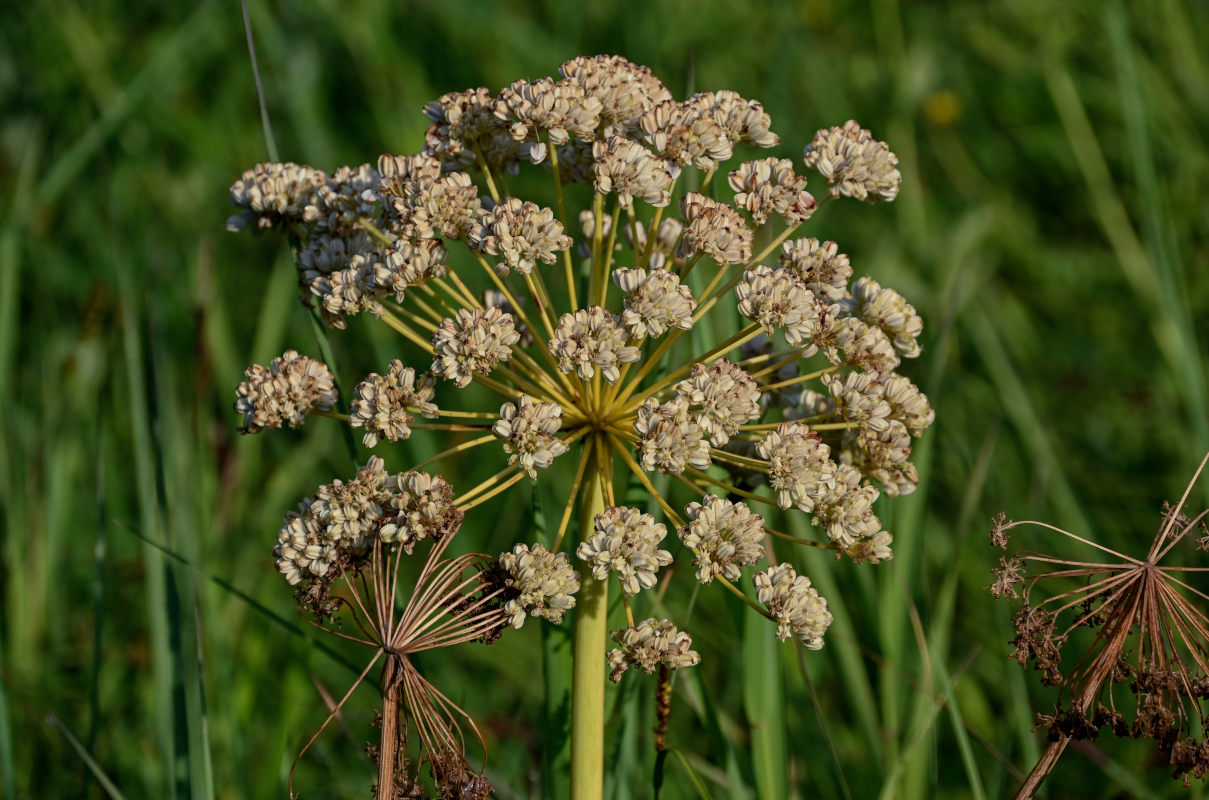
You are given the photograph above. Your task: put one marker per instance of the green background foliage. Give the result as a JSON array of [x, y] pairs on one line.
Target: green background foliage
[[1051, 230]]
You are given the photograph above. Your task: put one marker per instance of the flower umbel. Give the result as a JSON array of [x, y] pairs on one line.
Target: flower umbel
[[603, 337]]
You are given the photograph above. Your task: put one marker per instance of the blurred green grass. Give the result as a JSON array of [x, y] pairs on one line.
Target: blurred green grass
[[1051, 230]]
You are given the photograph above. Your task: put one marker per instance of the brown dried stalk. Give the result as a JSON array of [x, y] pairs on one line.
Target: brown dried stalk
[[455, 600], [1150, 638]]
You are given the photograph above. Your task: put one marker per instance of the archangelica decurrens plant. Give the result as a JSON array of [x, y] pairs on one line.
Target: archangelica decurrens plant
[[625, 360]]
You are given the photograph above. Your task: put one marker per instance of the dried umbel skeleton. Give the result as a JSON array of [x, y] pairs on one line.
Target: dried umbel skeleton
[[607, 334], [1144, 672]]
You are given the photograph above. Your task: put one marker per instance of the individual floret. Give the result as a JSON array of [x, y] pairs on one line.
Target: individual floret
[[521, 233], [529, 432], [625, 541], [348, 291], [859, 397], [726, 395], [472, 343], [648, 645], [743, 120], [381, 404], [465, 129], [887, 309], [770, 186], [820, 266], [542, 582], [713, 228], [629, 170], [854, 163], [852, 341], [654, 302], [351, 512], [302, 550], [671, 438], [908, 404], [845, 510], [559, 110], [625, 90], [405, 264], [347, 196], [273, 195], [800, 468], [794, 603], [685, 134], [286, 391], [776, 299], [449, 207], [418, 506], [592, 339], [725, 537], [883, 456]]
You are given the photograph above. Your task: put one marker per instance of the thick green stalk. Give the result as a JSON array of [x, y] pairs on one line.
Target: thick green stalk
[[587, 689]]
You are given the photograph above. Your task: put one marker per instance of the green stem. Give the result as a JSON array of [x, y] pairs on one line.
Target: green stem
[[587, 688]]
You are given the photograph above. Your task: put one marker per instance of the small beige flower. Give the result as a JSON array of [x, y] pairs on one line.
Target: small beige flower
[[859, 397], [465, 128], [820, 266], [727, 396], [625, 91], [855, 164], [715, 229], [285, 391], [417, 506], [908, 404], [350, 512], [545, 582], [888, 310], [845, 510], [795, 604], [626, 541], [529, 432], [684, 134], [381, 404], [654, 302], [472, 343], [592, 339], [725, 536], [776, 299], [522, 233], [770, 186], [854, 342], [273, 195], [800, 468], [560, 110], [650, 644], [406, 264], [743, 120], [629, 170], [671, 438], [302, 549]]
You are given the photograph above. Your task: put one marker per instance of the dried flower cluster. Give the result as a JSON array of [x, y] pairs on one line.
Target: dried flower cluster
[[649, 644], [611, 343], [1145, 670]]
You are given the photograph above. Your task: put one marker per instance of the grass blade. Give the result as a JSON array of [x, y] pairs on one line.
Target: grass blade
[[763, 699], [107, 784]]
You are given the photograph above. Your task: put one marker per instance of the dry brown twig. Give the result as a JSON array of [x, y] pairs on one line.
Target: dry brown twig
[[455, 600], [1151, 641]]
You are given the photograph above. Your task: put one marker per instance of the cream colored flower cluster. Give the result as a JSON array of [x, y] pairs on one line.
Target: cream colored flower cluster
[[291, 387], [342, 519], [676, 326]]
